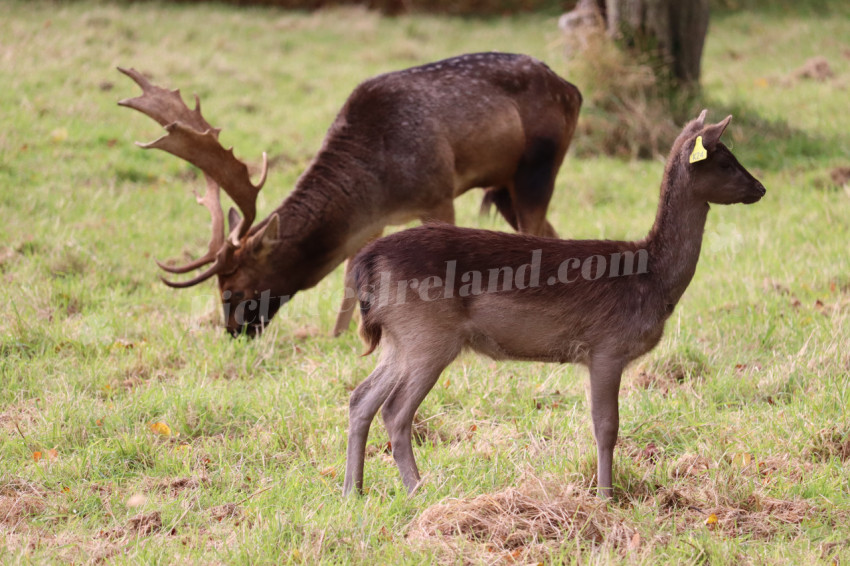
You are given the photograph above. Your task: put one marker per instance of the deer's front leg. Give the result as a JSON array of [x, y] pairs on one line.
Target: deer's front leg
[[605, 373], [349, 301], [349, 290]]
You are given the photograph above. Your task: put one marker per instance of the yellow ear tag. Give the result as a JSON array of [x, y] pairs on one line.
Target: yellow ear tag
[[699, 153]]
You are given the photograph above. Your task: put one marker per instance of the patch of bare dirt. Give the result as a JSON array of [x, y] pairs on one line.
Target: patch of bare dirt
[[517, 524], [816, 68], [176, 486], [226, 511], [142, 525], [840, 176]]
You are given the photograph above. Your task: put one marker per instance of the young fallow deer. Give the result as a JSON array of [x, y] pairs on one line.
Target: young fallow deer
[[404, 145], [598, 303]]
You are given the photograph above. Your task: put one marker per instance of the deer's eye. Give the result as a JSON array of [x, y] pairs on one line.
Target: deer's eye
[[237, 295]]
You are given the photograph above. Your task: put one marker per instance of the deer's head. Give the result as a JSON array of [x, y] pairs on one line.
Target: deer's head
[[240, 258], [717, 176]]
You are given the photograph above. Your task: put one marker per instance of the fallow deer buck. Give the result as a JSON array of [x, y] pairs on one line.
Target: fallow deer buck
[[598, 303], [404, 145]]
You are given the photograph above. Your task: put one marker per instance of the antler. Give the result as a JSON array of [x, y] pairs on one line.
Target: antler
[[192, 138]]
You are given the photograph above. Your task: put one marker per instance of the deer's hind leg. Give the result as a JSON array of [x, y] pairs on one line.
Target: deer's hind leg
[[500, 197], [423, 371], [534, 182], [365, 401]]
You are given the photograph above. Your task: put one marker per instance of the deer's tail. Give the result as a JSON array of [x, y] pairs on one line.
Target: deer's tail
[[366, 280]]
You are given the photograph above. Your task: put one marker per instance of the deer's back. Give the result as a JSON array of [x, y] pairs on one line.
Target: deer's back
[[523, 307], [464, 121]]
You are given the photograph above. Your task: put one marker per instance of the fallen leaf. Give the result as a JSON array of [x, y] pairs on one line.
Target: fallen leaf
[[742, 459], [712, 520], [160, 428], [329, 471], [36, 455], [52, 454], [59, 135], [634, 544]]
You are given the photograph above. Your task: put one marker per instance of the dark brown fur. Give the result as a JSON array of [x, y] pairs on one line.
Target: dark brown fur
[[603, 323], [402, 147]]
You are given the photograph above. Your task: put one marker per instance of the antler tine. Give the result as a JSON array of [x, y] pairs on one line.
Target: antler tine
[[211, 200], [222, 258], [203, 151], [163, 105], [190, 137]]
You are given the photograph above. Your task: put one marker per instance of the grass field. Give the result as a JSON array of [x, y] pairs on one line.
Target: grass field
[[735, 435]]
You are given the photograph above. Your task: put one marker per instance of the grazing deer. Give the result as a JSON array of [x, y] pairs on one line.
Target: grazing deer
[[429, 292], [404, 145]]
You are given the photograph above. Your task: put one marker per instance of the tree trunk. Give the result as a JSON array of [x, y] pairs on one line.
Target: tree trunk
[[674, 30]]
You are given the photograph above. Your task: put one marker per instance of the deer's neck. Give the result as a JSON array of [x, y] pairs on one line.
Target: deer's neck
[[676, 237], [326, 218]]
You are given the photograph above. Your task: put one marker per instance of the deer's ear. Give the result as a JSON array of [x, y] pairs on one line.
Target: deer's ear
[[267, 236], [694, 127], [711, 134]]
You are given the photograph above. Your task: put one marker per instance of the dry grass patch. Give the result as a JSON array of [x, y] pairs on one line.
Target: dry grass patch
[[840, 176], [16, 510], [696, 507], [20, 500], [518, 524], [816, 68], [176, 486], [626, 112], [141, 525], [226, 511], [831, 442], [20, 415], [670, 372]]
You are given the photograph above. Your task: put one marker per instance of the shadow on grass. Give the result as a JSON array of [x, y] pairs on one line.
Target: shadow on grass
[[763, 144], [775, 144]]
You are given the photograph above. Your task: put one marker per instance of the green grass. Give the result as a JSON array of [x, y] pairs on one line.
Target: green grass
[[93, 348]]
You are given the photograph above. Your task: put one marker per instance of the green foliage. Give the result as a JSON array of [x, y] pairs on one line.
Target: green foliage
[[740, 412]]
